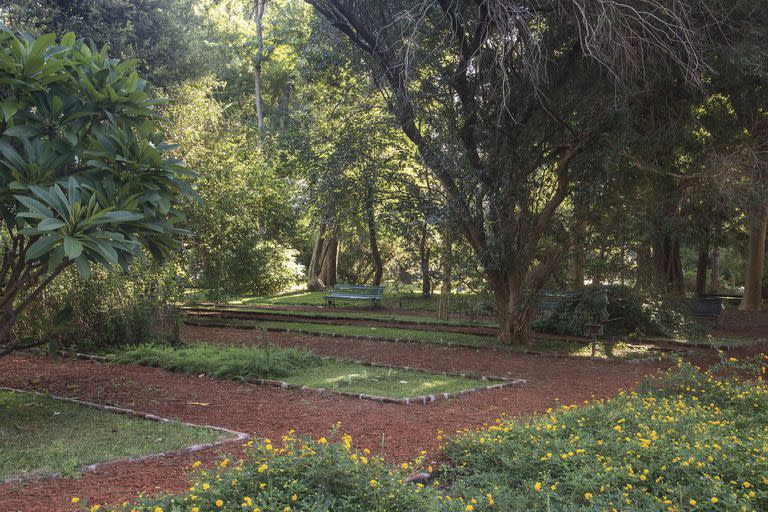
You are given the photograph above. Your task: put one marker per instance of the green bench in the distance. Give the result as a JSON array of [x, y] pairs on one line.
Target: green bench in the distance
[[355, 292]]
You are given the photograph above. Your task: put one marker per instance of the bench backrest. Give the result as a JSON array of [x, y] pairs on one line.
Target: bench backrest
[[373, 291], [705, 306]]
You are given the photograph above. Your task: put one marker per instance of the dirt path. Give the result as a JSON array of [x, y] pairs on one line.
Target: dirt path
[[394, 431]]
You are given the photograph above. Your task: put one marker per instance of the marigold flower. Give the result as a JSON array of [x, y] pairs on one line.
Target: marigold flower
[[75, 500], [587, 496], [219, 503], [294, 497], [374, 483], [537, 486]]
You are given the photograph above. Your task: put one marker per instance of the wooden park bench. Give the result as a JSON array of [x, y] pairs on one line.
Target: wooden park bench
[[547, 300], [704, 308], [355, 292]]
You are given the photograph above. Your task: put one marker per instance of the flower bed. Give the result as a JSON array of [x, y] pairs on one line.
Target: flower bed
[[689, 441]]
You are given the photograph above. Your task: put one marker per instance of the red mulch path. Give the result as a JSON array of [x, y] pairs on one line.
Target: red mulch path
[[397, 432]]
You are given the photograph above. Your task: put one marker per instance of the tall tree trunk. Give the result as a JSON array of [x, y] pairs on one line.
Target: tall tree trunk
[[313, 269], [378, 267], [714, 278], [258, 15], [443, 305], [578, 250], [329, 262], [644, 280], [667, 264], [701, 269], [424, 253], [753, 286]]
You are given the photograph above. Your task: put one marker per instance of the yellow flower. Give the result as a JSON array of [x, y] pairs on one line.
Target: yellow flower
[[294, 497], [206, 486], [747, 485], [195, 509], [714, 499], [219, 503], [263, 468], [158, 509], [537, 486], [364, 460], [287, 509], [587, 496], [692, 502], [224, 463], [75, 500], [248, 501], [322, 440], [374, 483], [196, 464], [95, 508], [470, 507], [490, 499]]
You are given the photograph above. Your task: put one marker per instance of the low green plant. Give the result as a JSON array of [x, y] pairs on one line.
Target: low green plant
[[222, 362]]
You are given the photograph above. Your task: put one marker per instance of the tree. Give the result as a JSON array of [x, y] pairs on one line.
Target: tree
[[84, 175], [501, 97]]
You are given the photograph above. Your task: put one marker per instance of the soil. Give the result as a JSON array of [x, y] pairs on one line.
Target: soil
[[396, 432]]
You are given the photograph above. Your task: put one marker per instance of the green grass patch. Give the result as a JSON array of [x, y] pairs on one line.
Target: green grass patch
[[619, 351], [371, 380], [300, 367], [42, 435], [374, 315], [686, 442]]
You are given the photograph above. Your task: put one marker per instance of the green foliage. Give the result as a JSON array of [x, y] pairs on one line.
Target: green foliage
[[689, 437], [631, 311], [166, 35], [108, 310], [84, 174], [302, 476], [234, 363]]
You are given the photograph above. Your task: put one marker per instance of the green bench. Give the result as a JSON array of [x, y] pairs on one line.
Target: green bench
[[355, 292]]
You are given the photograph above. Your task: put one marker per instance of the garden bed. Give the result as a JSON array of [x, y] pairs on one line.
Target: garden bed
[[300, 369], [69, 436]]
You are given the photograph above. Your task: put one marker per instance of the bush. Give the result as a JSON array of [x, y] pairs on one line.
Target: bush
[[631, 312], [108, 310]]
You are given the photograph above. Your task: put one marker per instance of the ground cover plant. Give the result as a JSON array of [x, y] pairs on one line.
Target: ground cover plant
[[688, 441], [42, 435], [299, 367]]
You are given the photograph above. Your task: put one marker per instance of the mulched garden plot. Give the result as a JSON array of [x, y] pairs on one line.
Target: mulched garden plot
[[394, 431]]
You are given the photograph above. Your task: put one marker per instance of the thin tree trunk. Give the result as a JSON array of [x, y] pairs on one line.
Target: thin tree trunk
[[424, 253], [378, 267], [714, 278], [313, 269], [578, 250], [644, 267], [257, 61], [753, 286], [701, 269], [443, 305]]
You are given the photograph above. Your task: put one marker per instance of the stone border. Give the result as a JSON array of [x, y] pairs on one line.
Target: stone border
[[501, 382], [235, 435]]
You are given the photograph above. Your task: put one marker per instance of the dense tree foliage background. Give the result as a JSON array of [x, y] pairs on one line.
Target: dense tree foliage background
[[426, 161]]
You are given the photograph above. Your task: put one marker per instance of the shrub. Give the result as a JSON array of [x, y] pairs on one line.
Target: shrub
[[631, 311]]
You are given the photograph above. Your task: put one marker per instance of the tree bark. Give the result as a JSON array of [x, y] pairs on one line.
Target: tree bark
[[257, 60], [578, 250], [378, 267], [701, 269], [644, 267], [513, 312], [753, 286], [313, 269], [443, 305], [329, 262], [714, 278], [424, 253]]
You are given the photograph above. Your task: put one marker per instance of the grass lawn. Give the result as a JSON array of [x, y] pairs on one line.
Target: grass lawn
[[41, 435], [294, 366], [465, 303], [436, 337], [354, 378], [376, 315]]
